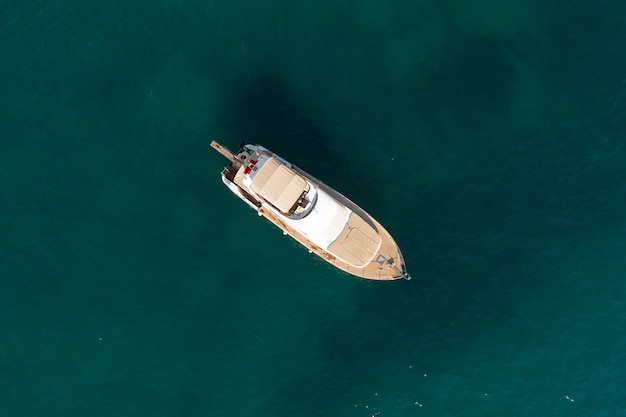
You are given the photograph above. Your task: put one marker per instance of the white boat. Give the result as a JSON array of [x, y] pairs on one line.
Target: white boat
[[320, 218]]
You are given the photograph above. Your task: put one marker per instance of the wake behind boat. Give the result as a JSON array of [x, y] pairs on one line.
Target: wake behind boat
[[314, 214]]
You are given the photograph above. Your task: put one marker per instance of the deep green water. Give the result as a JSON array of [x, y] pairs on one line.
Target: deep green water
[[488, 137]]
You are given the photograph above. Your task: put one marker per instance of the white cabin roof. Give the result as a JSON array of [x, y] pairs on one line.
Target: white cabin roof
[[325, 221], [339, 230]]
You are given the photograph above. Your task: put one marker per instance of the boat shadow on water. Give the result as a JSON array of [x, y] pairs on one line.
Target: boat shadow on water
[[269, 113]]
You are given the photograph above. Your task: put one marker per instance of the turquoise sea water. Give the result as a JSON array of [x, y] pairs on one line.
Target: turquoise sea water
[[488, 137]]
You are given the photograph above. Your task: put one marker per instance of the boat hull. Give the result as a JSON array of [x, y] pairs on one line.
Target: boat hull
[[382, 259]]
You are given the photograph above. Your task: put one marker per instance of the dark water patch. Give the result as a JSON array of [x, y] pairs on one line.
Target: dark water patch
[[584, 68], [471, 83]]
